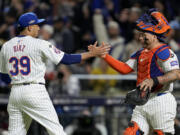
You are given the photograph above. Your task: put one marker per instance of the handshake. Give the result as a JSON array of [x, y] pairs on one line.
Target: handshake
[[99, 51]]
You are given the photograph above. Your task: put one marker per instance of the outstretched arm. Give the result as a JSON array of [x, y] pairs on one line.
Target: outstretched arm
[[77, 58], [119, 66]]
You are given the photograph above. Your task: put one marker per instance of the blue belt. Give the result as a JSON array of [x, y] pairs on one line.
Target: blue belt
[[160, 94]]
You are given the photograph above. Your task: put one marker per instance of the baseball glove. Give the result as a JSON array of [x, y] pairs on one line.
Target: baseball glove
[[137, 97]]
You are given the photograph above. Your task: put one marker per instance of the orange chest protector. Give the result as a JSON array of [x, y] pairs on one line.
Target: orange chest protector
[[144, 66], [147, 66]]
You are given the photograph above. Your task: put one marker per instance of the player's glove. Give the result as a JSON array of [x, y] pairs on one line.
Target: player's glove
[[137, 97]]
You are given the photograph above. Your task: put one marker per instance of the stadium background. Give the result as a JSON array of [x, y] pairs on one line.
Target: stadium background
[[87, 96]]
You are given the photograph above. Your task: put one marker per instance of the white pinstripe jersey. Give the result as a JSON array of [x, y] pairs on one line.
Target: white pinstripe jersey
[[24, 59]]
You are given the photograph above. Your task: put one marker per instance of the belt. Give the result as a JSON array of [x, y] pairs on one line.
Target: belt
[[160, 94], [29, 83]]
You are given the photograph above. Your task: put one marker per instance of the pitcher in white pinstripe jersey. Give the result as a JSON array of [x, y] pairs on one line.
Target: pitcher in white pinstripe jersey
[[24, 59]]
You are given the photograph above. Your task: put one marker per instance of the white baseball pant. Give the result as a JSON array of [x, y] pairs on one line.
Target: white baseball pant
[[158, 113], [27, 102]]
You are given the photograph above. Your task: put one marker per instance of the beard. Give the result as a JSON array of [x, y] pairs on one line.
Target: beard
[[145, 42]]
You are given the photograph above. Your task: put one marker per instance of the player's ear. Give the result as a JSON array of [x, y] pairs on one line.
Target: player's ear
[[29, 28], [155, 37]]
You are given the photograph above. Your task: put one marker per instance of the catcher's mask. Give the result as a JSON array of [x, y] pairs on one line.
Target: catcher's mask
[[154, 22]]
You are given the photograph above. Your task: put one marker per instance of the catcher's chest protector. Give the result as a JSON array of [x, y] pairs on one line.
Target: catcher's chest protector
[[144, 63], [147, 66]]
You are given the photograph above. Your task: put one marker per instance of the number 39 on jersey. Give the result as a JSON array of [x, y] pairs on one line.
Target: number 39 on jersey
[[21, 65]]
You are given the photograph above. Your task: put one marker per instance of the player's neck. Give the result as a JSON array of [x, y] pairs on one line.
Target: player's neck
[[154, 45], [25, 33]]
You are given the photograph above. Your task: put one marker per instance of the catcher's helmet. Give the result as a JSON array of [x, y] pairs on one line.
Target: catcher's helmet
[[154, 22]]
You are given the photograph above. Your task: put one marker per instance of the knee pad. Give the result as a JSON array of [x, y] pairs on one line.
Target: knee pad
[[133, 129], [159, 132]]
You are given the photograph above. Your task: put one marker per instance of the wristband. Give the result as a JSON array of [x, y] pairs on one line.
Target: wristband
[[155, 81]]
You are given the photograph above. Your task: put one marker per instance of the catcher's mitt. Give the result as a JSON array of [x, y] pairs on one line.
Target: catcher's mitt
[[137, 97]]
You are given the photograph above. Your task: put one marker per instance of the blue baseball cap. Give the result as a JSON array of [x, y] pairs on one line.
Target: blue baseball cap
[[29, 18]]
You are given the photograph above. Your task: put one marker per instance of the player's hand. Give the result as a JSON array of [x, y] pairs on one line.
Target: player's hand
[[98, 50], [147, 84], [104, 55]]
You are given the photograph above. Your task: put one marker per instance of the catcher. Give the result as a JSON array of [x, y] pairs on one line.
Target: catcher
[[157, 67]]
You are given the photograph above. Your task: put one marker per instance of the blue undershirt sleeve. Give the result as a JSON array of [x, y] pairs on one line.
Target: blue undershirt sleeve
[[5, 78], [71, 59]]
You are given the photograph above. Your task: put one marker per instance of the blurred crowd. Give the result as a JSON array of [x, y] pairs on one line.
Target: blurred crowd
[[72, 25]]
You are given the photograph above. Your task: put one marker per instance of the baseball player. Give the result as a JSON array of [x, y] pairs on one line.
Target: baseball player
[[157, 67], [24, 58]]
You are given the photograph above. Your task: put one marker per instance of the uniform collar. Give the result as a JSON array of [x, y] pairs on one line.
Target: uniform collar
[[21, 35]]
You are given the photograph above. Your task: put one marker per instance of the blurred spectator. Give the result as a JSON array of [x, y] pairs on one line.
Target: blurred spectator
[[122, 19], [82, 16], [70, 83], [30, 5], [164, 7], [110, 35], [174, 37], [81, 24], [63, 36], [172, 42], [82, 68], [46, 34], [64, 83], [99, 27], [3, 122], [115, 40], [175, 24], [132, 46], [58, 26], [87, 38], [4, 79], [134, 14], [4, 83], [86, 125], [126, 20], [159, 4], [44, 10], [177, 126], [65, 8], [3, 132], [17, 7], [7, 27], [102, 86]]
